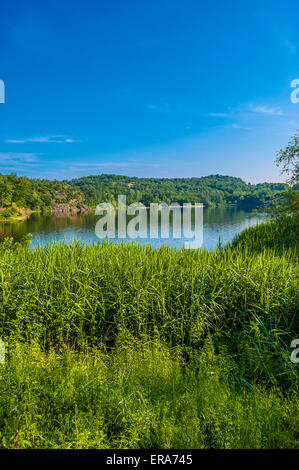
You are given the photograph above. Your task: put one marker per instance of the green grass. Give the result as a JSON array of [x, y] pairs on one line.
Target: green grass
[[138, 396], [128, 346], [279, 235]]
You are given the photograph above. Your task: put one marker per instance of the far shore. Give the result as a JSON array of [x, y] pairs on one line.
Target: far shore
[[27, 212]]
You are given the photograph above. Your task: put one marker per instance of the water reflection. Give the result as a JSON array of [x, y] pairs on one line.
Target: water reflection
[[225, 222]]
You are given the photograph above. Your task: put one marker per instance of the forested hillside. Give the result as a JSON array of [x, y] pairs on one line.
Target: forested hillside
[[209, 190], [39, 194]]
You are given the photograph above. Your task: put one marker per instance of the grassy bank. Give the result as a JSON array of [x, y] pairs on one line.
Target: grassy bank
[[276, 235], [138, 396], [129, 346]]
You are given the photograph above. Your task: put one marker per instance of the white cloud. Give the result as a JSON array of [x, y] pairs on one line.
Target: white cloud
[[163, 108], [239, 126], [112, 164], [234, 126], [12, 157], [263, 109], [58, 139], [219, 115]]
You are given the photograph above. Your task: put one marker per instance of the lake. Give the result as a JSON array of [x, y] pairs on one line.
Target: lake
[[225, 222]]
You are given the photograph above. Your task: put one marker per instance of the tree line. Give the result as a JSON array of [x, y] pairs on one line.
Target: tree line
[[213, 190]]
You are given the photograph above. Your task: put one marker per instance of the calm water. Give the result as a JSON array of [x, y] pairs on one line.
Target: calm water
[[223, 222]]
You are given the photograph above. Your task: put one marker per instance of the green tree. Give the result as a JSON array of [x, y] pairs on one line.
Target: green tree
[[289, 159]]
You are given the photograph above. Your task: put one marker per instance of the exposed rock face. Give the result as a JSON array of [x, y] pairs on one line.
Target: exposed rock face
[[72, 207], [65, 208], [60, 196]]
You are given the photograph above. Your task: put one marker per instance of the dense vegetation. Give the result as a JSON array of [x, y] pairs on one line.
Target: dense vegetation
[[288, 160], [128, 346], [279, 234], [209, 190], [37, 194], [140, 396]]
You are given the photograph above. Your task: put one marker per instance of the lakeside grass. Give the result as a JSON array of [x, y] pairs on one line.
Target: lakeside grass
[[278, 235], [141, 395], [128, 346]]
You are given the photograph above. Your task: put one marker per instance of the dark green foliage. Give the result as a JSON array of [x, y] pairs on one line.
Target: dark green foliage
[[209, 190], [138, 396], [9, 213], [279, 234], [36, 194], [13, 243], [289, 159]]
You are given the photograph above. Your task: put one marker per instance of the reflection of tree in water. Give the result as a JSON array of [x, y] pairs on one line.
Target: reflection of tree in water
[[37, 223], [224, 214], [44, 225], [13, 230]]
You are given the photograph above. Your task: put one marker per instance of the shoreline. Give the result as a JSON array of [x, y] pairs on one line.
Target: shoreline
[[25, 213]]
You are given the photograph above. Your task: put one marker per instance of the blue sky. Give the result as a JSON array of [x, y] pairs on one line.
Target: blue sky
[[166, 88]]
